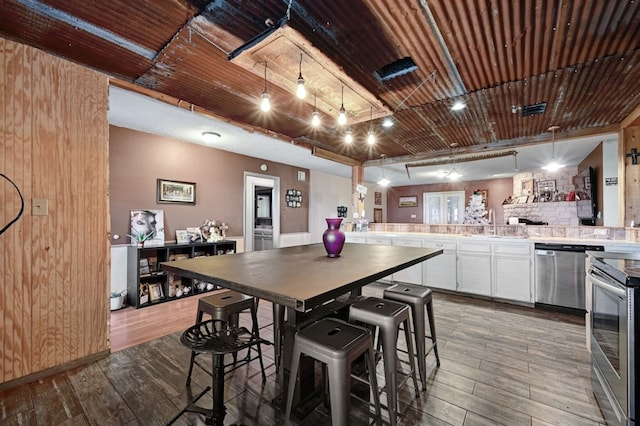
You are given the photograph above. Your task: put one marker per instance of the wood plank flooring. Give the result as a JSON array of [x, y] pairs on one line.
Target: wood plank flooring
[[500, 364]]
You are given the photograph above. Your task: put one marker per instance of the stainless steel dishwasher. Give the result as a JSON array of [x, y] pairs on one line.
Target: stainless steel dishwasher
[[560, 275]]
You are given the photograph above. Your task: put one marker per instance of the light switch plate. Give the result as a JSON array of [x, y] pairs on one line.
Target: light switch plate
[[39, 207]]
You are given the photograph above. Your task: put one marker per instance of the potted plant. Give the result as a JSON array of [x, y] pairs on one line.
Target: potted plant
[[117, 299], [138, 238]]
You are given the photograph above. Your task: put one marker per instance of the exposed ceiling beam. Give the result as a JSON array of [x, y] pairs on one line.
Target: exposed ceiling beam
[[513, 143], [83, 25]]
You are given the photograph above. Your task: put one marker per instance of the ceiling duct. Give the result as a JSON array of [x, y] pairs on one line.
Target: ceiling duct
[[534, 109], [258, 38], [459, 159], [395, 69]]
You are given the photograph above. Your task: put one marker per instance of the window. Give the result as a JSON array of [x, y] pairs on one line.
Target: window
[[443, 207]]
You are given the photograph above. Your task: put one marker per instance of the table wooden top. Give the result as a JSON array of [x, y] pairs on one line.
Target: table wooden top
[[301, 277]]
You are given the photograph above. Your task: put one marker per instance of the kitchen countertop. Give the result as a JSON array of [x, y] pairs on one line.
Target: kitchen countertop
[[500, 238]]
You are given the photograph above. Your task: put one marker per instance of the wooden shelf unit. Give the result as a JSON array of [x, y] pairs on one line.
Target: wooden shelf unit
[[147, 285]]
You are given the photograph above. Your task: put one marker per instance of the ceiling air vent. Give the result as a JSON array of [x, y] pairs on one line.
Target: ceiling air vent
[[534, 109], [395, 69]]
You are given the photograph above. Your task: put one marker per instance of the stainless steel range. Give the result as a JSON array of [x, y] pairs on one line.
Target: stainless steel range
[[615, 329]]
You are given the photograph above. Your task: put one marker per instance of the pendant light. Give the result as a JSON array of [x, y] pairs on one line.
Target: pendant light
[[266, 104], [342, 117], [371, 137], [348, 136], [301, 92], [553, 164], [315, 115]]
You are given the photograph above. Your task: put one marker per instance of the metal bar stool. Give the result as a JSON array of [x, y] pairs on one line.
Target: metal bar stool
[[337, 344], [418, 298], [217, 338], [226, 307], [386, 316]]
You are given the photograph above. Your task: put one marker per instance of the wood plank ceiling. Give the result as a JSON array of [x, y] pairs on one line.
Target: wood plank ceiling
[[581, 58]]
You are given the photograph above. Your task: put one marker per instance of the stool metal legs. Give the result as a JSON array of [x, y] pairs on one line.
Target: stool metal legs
[[336, 344], [418, 298]]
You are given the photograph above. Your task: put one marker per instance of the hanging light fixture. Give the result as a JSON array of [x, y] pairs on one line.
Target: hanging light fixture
[[348, 136], [266, 104], [553, 164], [301, 92], [315, 115], [371, 137], [342, 117]]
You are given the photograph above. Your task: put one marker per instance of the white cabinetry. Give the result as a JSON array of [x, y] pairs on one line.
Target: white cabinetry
[[513, 271], [384, 241], [474, 267], [358, 239], [412, 274], [440, 271]]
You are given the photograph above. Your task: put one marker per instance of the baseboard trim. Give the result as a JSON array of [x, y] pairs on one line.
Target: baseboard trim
[[20, 381]]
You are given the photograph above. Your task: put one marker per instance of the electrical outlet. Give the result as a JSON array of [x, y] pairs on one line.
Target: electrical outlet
[[599, 232], [39, 207], [413, 216]]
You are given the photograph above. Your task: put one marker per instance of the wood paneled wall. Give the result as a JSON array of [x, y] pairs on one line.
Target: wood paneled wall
[[54, 269]]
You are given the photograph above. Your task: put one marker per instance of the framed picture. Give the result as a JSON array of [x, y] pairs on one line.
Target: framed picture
[[147, 226], [182, 236], [155, 292], [377, 198], [527, 187], [546, 186], [408, 201], [485, 195], [173, 191]]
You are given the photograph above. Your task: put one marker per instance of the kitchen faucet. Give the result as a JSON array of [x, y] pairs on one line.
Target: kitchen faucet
[[492, 222]]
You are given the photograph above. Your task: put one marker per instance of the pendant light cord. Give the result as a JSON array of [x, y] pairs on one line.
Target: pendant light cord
[[15, 219]]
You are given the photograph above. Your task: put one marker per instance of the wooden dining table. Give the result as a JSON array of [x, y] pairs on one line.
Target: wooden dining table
[[305, 281]]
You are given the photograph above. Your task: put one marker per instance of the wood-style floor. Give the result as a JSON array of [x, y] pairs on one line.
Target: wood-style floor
[[500, 364]]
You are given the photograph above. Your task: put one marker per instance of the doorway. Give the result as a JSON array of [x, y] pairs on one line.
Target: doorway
[[261, 192]]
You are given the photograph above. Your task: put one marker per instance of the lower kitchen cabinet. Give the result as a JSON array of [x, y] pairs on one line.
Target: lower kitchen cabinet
[[412, 274], [474, 268], [513, 272], [441, 271], [493, 267], [385, 241]]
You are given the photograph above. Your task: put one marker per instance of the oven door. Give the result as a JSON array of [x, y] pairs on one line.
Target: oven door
[[609, 350]]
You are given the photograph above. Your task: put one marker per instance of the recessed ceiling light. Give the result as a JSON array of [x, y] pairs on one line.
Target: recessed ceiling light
[[388, 122], [459, 105], [210, 137]]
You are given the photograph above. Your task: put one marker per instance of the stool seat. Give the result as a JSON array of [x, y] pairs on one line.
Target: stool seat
[[418, 298], [217, 338], [387, 316], [225, 306], [217, 305], [337, 344]]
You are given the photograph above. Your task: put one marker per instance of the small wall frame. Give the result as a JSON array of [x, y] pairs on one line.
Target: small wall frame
[[293, 198]]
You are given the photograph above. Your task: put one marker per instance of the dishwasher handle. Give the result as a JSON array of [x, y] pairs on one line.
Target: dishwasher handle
[[549, 253]]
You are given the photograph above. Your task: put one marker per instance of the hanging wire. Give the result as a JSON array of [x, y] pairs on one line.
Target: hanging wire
[[15, 219]]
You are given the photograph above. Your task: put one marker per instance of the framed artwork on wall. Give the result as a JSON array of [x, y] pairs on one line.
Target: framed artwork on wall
[[173, 191], [408, 201], [377, 198]]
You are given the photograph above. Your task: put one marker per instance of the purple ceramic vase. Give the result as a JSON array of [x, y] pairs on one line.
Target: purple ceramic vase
[[333, 237]]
